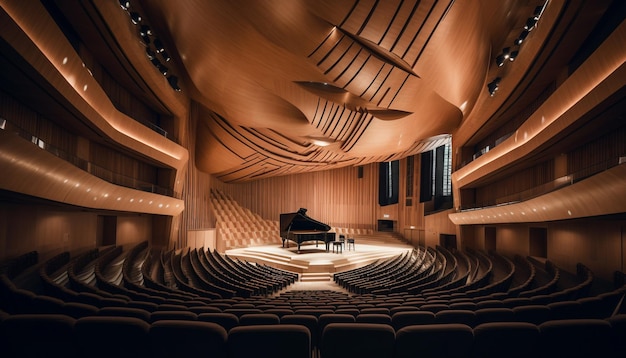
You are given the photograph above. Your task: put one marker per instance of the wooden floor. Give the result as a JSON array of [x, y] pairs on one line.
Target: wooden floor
[[314, 264]]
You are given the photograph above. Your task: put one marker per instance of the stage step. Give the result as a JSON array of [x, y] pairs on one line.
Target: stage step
[[316, 276]]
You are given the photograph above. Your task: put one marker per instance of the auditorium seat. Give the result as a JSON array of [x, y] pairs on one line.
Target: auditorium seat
[[618, 340], [279, 311], [172, 339], [380, 318], [79, 310], [224, 319], [46, 304], [363, 340], [486, 315], [434, 341], [308, 321], [505, 339], [575, 338], [466, 317], [173, 315], [410, 318], [535, 314], [565, 310], [105, 337], [37, 335], [258, 319], [351, 311], [269, 341], [125, 312]]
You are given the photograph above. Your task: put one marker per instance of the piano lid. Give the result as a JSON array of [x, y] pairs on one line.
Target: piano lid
[[300, 221]]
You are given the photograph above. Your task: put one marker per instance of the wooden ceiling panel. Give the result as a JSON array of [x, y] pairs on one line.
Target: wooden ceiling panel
[[336, 83]]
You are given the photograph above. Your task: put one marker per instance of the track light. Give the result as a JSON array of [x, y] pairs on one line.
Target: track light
[[135, 18], [166, 56], [162, 69], [522, 36], [503, 56], [173, 81], [530, 24], [151, 55], [159, 46], [125, 4], [492, 86], [145, 30], [513, 55]]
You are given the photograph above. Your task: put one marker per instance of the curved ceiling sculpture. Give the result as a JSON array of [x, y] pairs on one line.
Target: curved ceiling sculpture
[[294, 86]]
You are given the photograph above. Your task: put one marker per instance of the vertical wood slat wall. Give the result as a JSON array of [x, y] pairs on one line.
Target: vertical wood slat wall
[[336, 197]]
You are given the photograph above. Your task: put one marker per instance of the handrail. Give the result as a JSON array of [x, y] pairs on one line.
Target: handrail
[[93, 169], [545, 188]]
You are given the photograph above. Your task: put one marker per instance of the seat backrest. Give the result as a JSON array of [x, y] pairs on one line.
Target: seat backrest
[[466, 317], [224, 319], [172, 315], [363, 340], [434, 340], [258, 318], [486, 315], [277, 341], [125, 312], [308, 321], [172, 338], [374, 318], [535, 314], [104, 337], [505, 339], [576, 338], [409, 318], [37, 335]]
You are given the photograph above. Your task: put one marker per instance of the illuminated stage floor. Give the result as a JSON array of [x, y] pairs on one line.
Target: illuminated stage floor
[[314, 263]]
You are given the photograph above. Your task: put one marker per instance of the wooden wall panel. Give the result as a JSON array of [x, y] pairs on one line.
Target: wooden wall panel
[[336, 197]]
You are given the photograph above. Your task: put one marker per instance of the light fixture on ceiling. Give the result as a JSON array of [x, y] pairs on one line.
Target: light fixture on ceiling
[[513, 55], [321, 141], [166, 56], [492, 86], [135, 18], [531, 23], [503, 56], [159, 46], [125, 4], [522, 36], [151, 55], [145, 30], [173, 81]]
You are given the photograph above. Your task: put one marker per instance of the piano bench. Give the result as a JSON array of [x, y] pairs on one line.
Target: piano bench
[[338, 245]]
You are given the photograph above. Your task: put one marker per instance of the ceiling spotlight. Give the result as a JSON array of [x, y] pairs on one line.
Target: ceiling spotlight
[[151, 55], [166, 56], [145, 30], [125, 4], [530, 24], [145, 40], [503, 57], [521, 37], [173, 81], [492, 86], [159, 46], [162, 69], [500, 60], [513, 55], [135, 18], [155, 61]]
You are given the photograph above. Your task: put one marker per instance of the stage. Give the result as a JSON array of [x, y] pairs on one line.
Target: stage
[[314, 263]]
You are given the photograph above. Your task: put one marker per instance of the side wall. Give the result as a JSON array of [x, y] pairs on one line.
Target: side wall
[[597, 243]]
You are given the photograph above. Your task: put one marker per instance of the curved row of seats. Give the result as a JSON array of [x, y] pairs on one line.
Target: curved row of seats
[[37, 335]]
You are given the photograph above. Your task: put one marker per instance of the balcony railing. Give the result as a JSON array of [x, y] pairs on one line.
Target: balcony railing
[[91, 168]]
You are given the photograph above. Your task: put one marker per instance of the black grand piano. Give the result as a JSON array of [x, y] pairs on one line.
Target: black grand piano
[[298, 227]]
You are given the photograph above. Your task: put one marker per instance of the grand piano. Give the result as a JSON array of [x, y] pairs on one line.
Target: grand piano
[[298, 227]]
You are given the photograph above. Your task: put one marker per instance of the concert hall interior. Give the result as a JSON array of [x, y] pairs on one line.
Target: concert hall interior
[[323, 178]]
